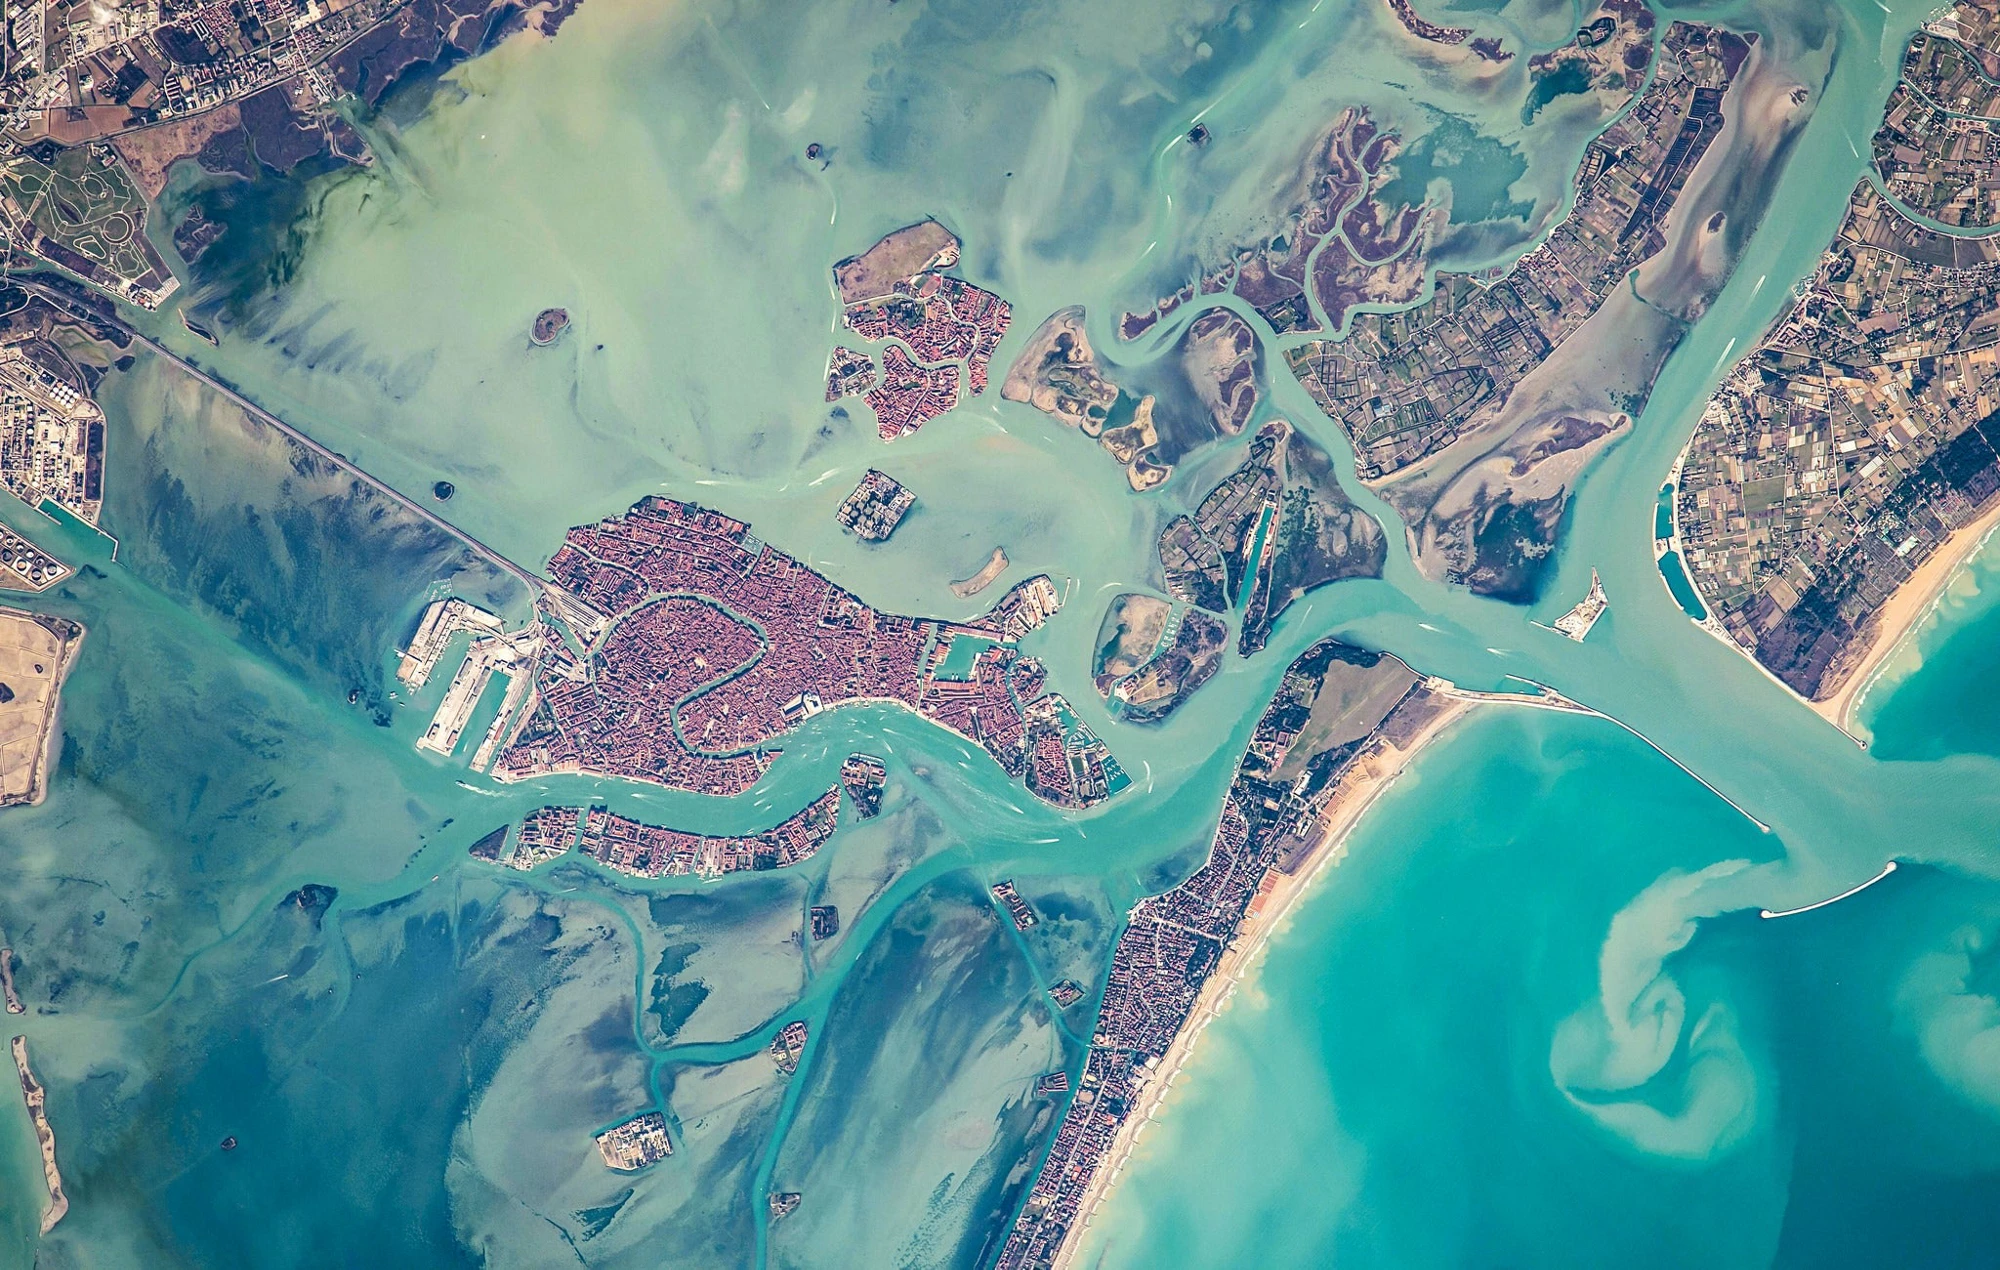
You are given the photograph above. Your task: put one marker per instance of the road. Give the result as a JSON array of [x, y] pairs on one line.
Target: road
[[528, 579]]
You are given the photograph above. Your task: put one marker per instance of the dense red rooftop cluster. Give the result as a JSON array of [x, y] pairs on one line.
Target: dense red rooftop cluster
[[941, 323], [910, 395], [652, 851], [716, 645]]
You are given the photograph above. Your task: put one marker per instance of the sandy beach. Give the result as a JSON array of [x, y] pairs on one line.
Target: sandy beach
[[1903, 614], [1371, 774]]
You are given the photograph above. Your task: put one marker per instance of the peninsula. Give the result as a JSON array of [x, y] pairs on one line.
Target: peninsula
[[26, 567], [1842, 473], [1337, 246], [1472, 413]]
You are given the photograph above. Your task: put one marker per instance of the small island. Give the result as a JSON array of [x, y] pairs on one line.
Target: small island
[[14, 1005], [1577, 622], [824, 920], [1148, 422], [790, 1046], [636, 1143], [1018, 910], [877, 505], [996, 564], [549, 326], [863, 776], [1152, 654], [37, 1099]]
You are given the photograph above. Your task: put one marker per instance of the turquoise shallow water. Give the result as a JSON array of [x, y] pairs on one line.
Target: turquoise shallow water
[[1941, 694], [1401, 1034], [1533, 1020]]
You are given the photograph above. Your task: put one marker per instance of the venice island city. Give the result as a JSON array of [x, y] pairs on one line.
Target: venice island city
[[578, 687]]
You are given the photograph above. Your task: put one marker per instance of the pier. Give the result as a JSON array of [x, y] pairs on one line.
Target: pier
[[1887, 869]]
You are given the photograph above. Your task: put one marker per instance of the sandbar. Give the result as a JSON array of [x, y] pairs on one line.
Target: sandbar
[[37, 1099], [995, 566], [14, 1005]]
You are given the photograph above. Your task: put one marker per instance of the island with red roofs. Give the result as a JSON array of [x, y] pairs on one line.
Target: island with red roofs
[[677, 648], [944, 329]]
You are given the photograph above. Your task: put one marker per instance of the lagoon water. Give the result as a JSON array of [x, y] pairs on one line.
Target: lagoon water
[[1533, 1019]]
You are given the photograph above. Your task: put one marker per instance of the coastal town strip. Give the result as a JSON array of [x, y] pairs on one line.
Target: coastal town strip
[[1343, 723], [636, 849]]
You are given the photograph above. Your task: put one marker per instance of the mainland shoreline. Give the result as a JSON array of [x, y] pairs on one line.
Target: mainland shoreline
[[1365, 781], [1892, 625], [1886, 630]]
